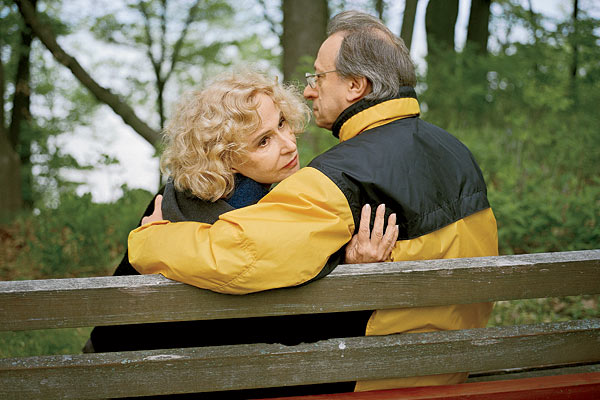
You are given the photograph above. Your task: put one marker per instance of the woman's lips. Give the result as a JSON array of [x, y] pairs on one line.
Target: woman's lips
[[292, 163]]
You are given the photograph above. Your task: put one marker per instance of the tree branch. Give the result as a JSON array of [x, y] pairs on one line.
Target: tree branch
[[102, 94], [178, 45], [156, 64], [2, 91], [271, 21], [163, 29]]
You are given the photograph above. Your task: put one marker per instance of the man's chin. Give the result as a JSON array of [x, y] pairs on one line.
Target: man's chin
[[323, 124]]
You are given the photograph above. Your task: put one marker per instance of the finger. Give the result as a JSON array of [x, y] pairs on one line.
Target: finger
[[390, 237], [378, 223], [388, 252], [365, 220], [390, 231], [350, 257]]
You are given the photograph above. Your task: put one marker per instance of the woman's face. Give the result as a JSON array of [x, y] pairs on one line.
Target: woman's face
[[272, 154]]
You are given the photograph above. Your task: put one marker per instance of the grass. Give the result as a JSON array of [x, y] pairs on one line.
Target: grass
[[43, 342], [553, 309]]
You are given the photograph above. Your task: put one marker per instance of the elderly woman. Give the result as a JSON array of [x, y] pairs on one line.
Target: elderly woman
[[228, 143], [225, 146]]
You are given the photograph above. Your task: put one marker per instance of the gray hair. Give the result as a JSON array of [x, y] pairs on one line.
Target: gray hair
[[371, 50]]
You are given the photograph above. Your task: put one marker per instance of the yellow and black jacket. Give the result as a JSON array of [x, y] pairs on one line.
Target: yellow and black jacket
[[387, 154]]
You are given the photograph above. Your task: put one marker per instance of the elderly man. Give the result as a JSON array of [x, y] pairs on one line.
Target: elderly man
[[363, 91]]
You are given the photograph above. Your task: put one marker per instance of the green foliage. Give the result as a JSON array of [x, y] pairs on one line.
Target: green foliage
[[537, 216], [533, 127], [58, 106], [76, 238], [552, 309], [313, 142], [43, 342]]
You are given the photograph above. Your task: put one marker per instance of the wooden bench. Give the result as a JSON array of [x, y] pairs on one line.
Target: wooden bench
[[567, 351]]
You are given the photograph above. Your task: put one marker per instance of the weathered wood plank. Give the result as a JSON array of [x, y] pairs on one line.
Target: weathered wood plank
[[62, 303], [579, 386], [250, 366], [520, 373]]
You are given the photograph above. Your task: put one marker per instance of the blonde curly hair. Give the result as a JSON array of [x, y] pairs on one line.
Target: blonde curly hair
[[207, 132]]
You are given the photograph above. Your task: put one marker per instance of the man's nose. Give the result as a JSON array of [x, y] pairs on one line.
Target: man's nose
[[310, 93]]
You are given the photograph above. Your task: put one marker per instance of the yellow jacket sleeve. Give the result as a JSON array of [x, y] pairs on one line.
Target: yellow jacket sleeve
[[284, 240]]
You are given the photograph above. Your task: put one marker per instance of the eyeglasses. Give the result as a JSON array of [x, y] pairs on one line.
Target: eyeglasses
[[311, 79]]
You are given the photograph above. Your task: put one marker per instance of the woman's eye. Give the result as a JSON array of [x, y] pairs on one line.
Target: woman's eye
[[263, 142]]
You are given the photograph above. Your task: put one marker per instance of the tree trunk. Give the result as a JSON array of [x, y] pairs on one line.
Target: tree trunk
[[408, 21], [11, 200], [21, 120], [575, 60], [534, 27], [102, 94], [304, 26], [440, 19], [2, 92], [379, 6], [478, 30]]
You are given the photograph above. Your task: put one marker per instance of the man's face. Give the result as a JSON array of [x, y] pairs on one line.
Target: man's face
[[330, 96]]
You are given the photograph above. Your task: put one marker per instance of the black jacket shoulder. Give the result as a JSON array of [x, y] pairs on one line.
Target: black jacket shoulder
[[418, 170]]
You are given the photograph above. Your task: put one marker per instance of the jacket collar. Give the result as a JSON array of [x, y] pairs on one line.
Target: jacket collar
[[367, 114]]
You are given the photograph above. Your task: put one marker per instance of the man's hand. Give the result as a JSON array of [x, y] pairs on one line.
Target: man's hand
[[157, 214], [365, 247]]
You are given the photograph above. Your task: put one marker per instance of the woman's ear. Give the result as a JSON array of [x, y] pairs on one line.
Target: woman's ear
[[358, 88]]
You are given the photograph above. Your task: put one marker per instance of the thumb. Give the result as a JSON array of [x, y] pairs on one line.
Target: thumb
[[158, 202]]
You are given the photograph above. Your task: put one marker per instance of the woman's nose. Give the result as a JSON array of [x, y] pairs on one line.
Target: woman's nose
[[288, 142]]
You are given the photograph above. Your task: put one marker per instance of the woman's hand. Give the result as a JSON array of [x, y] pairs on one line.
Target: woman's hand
[[365, 247], [157, 214]]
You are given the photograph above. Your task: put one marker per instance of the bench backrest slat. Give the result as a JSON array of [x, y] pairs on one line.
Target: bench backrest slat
[[261, 365], [62, 303]]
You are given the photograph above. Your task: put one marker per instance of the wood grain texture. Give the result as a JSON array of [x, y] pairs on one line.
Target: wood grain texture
[[262, 365], [579, 386], [63, 303], [536, 372]]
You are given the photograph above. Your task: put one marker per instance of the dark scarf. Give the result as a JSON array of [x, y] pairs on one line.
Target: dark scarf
[[183, 206], [247, 192]]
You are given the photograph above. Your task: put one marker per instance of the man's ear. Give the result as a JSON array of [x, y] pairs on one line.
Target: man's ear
[[358, 88]]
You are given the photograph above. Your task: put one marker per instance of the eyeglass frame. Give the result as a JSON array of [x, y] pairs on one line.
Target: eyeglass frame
[[311, 79]]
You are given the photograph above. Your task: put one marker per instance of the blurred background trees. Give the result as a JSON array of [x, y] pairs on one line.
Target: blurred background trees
[[521, 92]]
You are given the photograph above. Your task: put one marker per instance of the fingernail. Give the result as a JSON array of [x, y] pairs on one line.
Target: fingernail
[[382, 205], [367, 205]]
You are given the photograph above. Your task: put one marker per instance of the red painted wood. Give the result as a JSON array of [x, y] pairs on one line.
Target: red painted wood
[[572, 387]]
